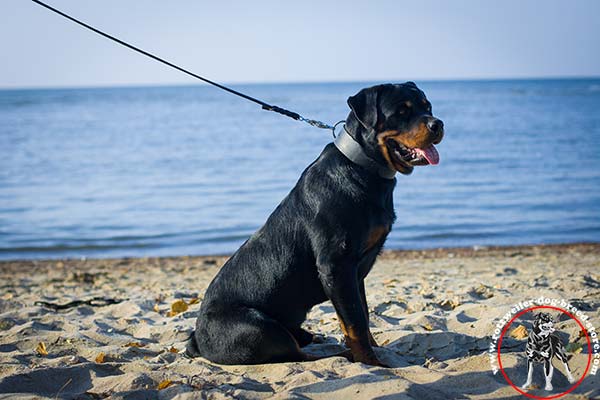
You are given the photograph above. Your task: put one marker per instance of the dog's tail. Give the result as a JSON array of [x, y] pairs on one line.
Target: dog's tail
[[191, 349]]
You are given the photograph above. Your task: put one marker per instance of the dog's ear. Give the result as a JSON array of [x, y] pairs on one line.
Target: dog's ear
[[364, 106]]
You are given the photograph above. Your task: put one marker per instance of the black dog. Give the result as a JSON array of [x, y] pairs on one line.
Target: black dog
[[542, 345], [322, 240]]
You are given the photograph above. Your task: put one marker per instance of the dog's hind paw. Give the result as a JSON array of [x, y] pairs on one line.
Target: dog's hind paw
[[548, 387], [526, 385]]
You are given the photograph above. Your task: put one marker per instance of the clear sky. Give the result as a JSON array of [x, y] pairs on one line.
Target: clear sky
[[291, 41]]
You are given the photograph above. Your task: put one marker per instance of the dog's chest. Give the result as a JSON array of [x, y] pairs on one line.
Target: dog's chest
[[375, 236], [381, 216], [540, 348], [371, 247]]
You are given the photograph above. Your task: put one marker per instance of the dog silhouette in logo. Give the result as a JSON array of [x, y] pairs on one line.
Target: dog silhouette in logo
[[542, 346]]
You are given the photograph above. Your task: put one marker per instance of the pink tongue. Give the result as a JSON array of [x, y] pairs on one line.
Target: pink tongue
[[430, 153]]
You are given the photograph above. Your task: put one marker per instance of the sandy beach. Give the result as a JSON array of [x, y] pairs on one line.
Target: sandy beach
[[433, 312]]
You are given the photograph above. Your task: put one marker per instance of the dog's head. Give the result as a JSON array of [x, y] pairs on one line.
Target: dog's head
[[543, 324], [394, 125]]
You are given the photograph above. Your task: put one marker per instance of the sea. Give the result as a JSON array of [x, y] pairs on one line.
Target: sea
[[192, 170]]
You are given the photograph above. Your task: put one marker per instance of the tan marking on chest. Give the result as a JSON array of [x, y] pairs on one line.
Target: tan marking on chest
[[375, 235]]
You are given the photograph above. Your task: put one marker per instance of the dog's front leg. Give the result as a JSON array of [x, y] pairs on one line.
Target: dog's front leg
[[548, 371], [560, 354], [529, 374], [363, 298], [341, 286]]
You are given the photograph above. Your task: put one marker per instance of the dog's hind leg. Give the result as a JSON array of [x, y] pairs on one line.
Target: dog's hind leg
[[568, 372], [548, 372], [243, 335], [560, 354], [529, 374]]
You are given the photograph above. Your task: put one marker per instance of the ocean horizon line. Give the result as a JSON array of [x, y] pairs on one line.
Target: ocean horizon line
[[300, 82]]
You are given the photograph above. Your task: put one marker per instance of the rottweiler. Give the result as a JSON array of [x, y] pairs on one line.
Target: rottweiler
[[322, 240]]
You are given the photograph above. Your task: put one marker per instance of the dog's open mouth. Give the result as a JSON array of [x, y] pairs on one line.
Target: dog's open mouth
[[407, 156]]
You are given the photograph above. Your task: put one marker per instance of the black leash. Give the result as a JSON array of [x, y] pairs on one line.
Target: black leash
[[265, 106]]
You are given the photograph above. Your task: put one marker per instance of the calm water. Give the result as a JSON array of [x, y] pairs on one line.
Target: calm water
[[193, 170]]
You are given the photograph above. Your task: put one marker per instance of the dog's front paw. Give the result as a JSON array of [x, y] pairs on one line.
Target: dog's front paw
[[381, 364], [571, 379], [526, 385], [370, 360], [548, 387]]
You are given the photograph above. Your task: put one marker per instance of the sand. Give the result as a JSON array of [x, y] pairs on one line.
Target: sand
[[433, 312]]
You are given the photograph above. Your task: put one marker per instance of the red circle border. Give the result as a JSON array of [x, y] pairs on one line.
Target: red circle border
[[573, 387]]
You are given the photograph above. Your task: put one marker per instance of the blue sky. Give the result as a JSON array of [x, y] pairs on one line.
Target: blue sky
[[285, 41]]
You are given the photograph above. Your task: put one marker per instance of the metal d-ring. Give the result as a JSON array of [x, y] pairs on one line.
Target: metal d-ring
[[335, 126]]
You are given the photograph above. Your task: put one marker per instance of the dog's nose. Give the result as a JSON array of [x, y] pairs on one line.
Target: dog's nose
[[436, 127]]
